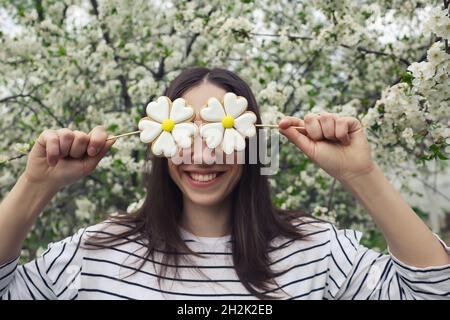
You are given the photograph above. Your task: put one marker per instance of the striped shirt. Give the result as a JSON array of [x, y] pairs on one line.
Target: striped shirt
[[330, 264]]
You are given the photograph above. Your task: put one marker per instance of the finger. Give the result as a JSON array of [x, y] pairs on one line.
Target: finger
[[49, 142], [327, 123], [66, 137], [97, 139], [300, 140], [353, 124], [79, 145], [92, 162], [286, 122], [342, 131], [39, 148], [313, 127]]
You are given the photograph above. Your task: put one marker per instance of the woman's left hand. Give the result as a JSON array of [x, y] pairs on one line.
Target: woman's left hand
[[336, 144]]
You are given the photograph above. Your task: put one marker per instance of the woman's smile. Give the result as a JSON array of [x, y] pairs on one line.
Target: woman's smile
[[202, 178]]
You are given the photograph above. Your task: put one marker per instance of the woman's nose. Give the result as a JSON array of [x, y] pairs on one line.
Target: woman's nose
[[200, 153]]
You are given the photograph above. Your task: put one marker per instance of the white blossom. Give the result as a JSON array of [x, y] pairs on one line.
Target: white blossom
[[85, 208], [407, 134]]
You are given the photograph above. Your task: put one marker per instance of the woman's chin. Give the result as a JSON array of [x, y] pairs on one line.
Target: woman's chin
[[205, 200]]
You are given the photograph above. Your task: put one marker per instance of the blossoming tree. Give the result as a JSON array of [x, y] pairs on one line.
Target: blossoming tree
[[79, 63]]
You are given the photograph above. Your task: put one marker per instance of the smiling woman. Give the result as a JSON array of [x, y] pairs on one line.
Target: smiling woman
[[212, 200], [208, 230]]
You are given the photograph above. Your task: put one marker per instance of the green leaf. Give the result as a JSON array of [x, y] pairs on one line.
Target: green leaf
[[167, 51], [422, 214], [61, 51], [367, 14], [78, 119], [408, 78], [34, 119], [113, 127], [365, 102], [437, 154], [269, 69], [21, 10], [434, 148], [302, 16], [202, 63]]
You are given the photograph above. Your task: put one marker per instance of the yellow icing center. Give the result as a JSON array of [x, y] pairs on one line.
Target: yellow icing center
[[167, 125], [228, 122]]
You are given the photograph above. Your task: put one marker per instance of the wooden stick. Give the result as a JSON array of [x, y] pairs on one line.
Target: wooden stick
[[275, 126], [256, 125], [123, 135]]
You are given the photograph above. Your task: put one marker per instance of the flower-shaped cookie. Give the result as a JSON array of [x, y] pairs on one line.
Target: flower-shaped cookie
[[227, 124], [167, 126]]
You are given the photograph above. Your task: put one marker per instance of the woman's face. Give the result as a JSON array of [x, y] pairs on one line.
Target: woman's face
[[208, 183]]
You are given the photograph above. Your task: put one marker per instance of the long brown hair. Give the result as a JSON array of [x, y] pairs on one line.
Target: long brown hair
[[255, 222]]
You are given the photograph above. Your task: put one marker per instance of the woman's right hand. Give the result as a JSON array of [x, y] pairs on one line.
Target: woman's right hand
[[61, 157]]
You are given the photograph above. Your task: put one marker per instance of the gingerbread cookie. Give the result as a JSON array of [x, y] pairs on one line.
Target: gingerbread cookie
[[168, 126], [227, 123]]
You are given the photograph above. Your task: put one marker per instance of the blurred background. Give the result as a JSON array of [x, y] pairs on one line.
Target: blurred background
[[80, 63]]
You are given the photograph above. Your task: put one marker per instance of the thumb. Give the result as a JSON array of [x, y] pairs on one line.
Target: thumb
[[92, 162], [300, 140]]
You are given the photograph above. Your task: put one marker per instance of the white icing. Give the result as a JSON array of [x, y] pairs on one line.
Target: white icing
[[159, 110], [213, 112], [232, 140], [164, 145], [245, 124], [149, 130], [164, 142], [234, 105], [212, 133], [183, 133], [180, 111]]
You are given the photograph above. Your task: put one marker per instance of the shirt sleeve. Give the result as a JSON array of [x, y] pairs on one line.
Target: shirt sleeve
[[356, 272], [53, 275]]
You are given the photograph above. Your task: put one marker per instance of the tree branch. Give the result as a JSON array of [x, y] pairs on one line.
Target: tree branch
[[360, 49], [138, 63], [39, 10], [38, 101], [122, 79], [290, 37], [310, 62], [378, 53], [446, 6], [190, 43]]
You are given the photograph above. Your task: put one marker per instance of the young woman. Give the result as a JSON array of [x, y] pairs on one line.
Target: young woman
[[209, 231]]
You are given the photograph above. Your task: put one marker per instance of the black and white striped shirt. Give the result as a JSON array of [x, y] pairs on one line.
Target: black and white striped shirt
[[330, 265]]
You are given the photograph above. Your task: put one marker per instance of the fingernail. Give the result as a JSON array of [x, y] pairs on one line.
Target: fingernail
[[92, 151]]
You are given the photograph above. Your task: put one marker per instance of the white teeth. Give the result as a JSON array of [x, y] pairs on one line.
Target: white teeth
[[203, 177]]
